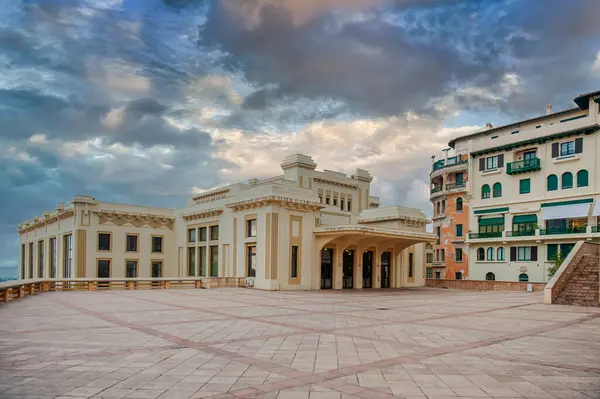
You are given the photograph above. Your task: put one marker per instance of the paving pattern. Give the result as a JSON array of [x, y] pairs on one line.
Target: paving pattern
[[232, 343]]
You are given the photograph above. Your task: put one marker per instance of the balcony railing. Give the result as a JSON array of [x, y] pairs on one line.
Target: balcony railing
[[521, 233], [564, 230], [596, 229], [457, 160], [437, 189], [525, 165], [452, 186], [493, 234]]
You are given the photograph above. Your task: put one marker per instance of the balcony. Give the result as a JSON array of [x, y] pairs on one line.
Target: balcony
[[523, 233], [596, 229], [452, 161], [525, 165], [564, 230], [494, 234], [437, 189], [452, 186]]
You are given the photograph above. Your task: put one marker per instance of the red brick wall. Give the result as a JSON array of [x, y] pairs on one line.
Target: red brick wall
[[480, 285]]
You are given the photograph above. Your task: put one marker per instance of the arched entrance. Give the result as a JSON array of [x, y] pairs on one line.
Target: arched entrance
[[348, 268]]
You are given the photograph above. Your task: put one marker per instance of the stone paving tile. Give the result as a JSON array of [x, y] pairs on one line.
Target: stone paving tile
[[235, 343]]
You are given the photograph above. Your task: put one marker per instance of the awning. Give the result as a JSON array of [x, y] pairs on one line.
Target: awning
[[525, 219], [566, 211], [596, 209], [491, 221]]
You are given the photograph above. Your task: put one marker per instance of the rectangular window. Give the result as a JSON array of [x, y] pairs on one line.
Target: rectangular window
[[251, 261], [411, 266], [157, 271], [23, 261], [326, 200], [524, 186], [157, 244], [103, 268], [132, 243], [202, 260], [214, 233], [443, 255], [459, 254], [567, 148], [251, 228], [459, 230], [552, 251], [131, 268], [53, 257], [349, 208], [294, 261], [459, 179], [429, 258], [429, 272], [40, 259], [458, 276], [492, 163], [342, 205], [191, 235], [524, 254], [191, 261], [67, 255], [565, 249], [214, 260], [31, 249], [104, 241], [202, 234]]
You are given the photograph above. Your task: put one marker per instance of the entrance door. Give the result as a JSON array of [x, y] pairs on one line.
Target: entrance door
[[348, 266], [385, 270], [103, 272], [156, 273], [367, 269], [327, 269]]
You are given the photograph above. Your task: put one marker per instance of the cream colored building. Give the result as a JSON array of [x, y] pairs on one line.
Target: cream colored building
[[305, 229], [534, 189]]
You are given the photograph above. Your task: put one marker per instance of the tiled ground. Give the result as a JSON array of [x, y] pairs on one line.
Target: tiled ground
[[230, 343]]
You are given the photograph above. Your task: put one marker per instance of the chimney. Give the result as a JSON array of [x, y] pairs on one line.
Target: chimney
[[548, 109], [489, 125]]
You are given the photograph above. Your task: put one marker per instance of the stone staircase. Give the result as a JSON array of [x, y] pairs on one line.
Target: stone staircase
[[577, 282]]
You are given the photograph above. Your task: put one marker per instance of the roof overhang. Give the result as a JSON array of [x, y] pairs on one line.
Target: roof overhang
[[368, 231], [583, 100]]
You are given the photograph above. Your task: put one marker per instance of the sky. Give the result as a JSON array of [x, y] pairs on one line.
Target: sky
[[149, 101]]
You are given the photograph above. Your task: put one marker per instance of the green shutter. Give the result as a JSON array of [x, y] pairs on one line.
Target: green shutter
[[552, 184], [567, 180], [582, 178], [525, 186], [571, 202], [491, 221], [459, 230], [525, 219], [552, 251]]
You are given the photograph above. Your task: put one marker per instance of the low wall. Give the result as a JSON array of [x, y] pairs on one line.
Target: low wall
[[483, 285]]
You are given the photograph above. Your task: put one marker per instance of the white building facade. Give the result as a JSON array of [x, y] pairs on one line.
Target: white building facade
[[534, 191], [302, 230]]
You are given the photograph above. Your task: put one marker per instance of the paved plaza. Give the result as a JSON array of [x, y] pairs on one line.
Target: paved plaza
[[229, 343]]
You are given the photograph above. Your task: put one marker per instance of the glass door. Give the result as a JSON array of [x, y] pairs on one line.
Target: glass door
[[327, 269]]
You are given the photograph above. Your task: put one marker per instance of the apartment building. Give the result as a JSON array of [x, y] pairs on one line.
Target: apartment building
[[301, 230], [534, 189]]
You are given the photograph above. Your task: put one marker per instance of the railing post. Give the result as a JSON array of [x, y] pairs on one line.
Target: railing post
[[130, 285], [6, 295], [198, 284], [21, 291], [90, 286], [31, 289], [167, 285]]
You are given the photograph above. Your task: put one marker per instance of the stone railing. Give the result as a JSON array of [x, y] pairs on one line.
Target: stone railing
[[483, 285], [10, 290]]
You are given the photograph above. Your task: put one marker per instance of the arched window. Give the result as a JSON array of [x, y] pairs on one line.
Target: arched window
[[523, 277], [438, 208], [459, 204], [490, 276], [582, 178], [497, 190], [490, 253], [552, 183], [443, 206], [567, 180], [480, 254], [500, 253], [485, 191]]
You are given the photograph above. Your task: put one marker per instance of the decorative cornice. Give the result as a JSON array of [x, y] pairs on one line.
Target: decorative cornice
[[408, 220], [334, 183], [137, 219], [60, 214], [354, 229], [211, 196], [202, 214], [286, 202]]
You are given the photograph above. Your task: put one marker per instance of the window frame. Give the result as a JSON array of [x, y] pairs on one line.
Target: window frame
[[459, 204], [569, 149], [110, 241], [212, 229], [554, 180], [137, 266], [491, 163], [192, 261], [192, 235], [251, 227], [495, 192], [526, 254], [41, 253], [294, 254], [67, 242], [480, 254], [580, 176], [566, 176], [162, 244], [137, 242], [522, 188], [53, 252], [490, 274], [486, 191], [489, 251], [500, 254], [459, 255], [251, 260], [109, 260]]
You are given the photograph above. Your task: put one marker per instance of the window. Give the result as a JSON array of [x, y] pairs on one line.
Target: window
[[567, 148], [429, 272], [491, 163], [23, 255], [321, 198], [103, 268], [335, 202], [429, 258], [582, 178], [31, 249], [157, 244], [326, 200], [567, 180], [438, 208], [565, 249], [490, 253], [523, 277], [459, 254], [251, 228], [342, 204], [294, 271], [459, 230], [53, 257], [411, 265], [349, 205], [459, 204], [480, 254], [104, 241], [552, 183], [458, 275], [191, 235], [214, 260], [202, 234], [156, 267], [500, 253], [40, 259], [131, 243], [202, 261], [214, 233], [524, 254], [251, 261], [443, 255], [485, 191], [67, 255], [438, 231], [490, 277], [552, 251], [131, 268], [191, 261], [497, 190], [524, 186], [444, 206], [459, 178]]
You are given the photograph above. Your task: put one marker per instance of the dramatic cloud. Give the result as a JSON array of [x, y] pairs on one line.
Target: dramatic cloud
[[149, 101]]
